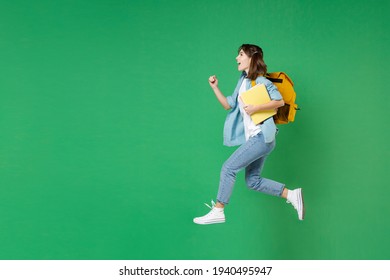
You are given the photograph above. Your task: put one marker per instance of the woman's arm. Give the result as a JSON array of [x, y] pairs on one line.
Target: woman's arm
[[213, 81], [272, 105]]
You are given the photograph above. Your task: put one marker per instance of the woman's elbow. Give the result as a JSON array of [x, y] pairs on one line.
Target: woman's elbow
[[280, 103]]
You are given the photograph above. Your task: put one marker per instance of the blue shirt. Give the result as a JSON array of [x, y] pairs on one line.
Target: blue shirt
[[233, 132]]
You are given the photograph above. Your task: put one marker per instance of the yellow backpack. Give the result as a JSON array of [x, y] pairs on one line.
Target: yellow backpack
[[285, 86]]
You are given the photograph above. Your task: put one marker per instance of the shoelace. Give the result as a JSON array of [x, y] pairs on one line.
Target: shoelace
[[212, 204]]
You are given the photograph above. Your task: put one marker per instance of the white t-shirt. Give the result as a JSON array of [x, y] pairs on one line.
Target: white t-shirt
[[251, 129]]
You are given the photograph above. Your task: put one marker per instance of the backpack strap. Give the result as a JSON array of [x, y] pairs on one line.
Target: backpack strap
[[277, 77]]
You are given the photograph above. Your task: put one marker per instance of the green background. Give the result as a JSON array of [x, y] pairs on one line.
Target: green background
[[111, 139]]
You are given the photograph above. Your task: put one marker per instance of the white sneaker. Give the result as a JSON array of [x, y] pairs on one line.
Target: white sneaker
[[216, 215], [295, 197]]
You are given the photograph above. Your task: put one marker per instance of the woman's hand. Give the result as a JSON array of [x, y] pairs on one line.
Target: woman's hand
[[250, 109], [213, 82]]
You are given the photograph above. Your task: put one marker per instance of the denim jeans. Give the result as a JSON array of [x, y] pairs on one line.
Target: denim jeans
[[251, 156]]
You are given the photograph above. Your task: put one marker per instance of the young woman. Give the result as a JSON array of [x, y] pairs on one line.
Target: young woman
[[256, 140]]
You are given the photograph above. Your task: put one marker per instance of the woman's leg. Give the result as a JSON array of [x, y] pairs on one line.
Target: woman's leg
[[242, 157], [255, 182], [254, 149]]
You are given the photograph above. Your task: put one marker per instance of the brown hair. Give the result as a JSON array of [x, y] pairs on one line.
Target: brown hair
[[257, 66]]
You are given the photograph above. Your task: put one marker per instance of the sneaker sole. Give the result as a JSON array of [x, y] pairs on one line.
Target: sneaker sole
[[209, 222], [303, 204]]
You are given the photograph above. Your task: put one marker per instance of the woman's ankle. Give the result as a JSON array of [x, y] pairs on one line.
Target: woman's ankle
[[219, 205], [284, 193]]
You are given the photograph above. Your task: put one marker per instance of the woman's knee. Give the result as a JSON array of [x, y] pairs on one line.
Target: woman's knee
[[227, 168], [253, 181]]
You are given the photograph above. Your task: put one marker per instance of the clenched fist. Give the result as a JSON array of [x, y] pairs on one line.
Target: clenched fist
[[213, 81]]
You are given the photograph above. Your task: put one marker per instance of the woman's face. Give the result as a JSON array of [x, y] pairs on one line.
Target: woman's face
[[243, 61]]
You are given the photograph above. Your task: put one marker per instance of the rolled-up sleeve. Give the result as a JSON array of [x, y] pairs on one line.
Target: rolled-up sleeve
[[231, 101], [273, 91]]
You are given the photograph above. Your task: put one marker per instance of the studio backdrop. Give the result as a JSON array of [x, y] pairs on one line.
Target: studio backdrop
[[111, 138]]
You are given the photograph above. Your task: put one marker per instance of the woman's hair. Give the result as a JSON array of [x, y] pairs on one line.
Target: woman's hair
[[258, 66]]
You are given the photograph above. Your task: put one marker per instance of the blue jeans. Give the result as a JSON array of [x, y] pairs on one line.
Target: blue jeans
[[251, 156]]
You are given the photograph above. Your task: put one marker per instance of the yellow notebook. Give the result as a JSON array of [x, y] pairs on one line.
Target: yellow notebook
[[255, 96]]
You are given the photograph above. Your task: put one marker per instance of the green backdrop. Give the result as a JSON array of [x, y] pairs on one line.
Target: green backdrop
[[111, 139]]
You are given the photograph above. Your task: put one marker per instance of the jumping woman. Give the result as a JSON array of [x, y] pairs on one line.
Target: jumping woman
[[256, 141]]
